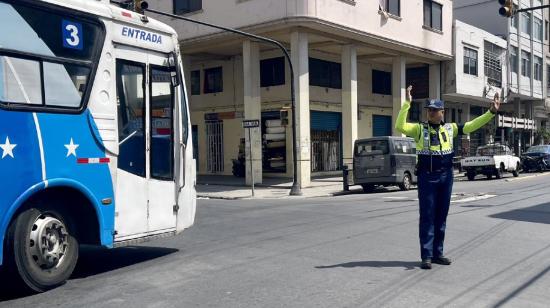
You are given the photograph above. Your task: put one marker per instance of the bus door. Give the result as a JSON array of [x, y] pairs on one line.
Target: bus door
[[132, 164], [146, 188], [162, 148]]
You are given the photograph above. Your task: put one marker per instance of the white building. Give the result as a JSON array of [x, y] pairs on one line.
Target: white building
[[471, 81], [524, 35], [352, 62]]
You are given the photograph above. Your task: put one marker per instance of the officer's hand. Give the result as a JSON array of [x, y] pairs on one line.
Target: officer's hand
[[495, 105], [409, 96]]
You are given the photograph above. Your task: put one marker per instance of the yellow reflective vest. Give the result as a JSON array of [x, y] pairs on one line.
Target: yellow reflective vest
[[434, 143]]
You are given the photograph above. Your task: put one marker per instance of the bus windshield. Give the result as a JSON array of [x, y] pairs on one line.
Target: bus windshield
[[46, 57]]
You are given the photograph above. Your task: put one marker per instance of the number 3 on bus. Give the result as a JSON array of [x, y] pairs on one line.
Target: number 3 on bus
[[95, 139]]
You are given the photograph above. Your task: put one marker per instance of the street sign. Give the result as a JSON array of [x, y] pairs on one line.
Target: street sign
[[251, 123]]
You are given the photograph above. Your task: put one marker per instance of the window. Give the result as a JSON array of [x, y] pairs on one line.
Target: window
[[213, 80], [525, 64], [381, 82], [514, 59], [492, 63], [40, 67], [432, 15], [325, 74], [272, 72], [161, 119], [537, 29], [546, 29], [526, 22], [392, 6], [470, 61], [131, 116], [187, 6], [537, 62], [548, 80], [414, 112], [196, 82]]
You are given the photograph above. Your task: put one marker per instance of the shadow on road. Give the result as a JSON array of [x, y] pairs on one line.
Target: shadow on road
[[92, 261], [96, 260], [538, 214], [408, 265]]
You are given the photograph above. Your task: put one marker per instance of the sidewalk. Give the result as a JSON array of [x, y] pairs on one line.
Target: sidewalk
[[231, 187]]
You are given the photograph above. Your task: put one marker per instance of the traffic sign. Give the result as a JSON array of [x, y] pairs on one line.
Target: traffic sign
[[251, 123]]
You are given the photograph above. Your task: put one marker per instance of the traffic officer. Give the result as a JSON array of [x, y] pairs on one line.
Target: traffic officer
[[434, 148]]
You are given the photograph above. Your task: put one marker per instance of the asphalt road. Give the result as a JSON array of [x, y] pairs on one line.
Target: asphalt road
[[345, 251]]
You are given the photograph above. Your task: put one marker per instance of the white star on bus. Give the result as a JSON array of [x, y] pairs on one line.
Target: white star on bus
[[7, 148], [71, 148]]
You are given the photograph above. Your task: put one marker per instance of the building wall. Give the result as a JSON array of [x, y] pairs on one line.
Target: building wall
[[354, 17], [467, 36]]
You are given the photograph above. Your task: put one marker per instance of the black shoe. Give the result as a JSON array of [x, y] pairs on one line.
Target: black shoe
[[442, 260], [426, 264]]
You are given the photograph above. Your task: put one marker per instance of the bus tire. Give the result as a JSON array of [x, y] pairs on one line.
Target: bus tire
[[42, 250]]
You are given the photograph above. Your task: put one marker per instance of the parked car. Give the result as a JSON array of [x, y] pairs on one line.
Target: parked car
[[491, 160], [536, 158], [384, 161]]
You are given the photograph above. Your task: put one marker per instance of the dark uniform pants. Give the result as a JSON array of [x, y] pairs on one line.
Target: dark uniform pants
[[434, 194]]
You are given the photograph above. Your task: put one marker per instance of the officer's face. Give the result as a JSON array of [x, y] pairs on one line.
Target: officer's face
[[435, 116]]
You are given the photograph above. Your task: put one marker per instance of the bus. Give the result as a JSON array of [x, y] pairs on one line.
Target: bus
[[95, 136]]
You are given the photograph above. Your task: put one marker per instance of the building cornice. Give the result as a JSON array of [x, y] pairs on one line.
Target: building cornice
[[324, 27]]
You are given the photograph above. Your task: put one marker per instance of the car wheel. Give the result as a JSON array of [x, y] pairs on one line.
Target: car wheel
[[406, 183], [515, 173], [471, 176], [489, 176], [498, 173], [42, 249]]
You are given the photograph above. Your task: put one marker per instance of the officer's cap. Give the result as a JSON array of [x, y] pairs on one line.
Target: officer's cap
[[435, 104]]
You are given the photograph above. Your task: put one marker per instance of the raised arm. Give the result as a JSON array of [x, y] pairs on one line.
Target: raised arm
[[409, 129]]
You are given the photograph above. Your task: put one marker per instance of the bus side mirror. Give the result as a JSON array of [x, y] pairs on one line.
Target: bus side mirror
[[175, 76]]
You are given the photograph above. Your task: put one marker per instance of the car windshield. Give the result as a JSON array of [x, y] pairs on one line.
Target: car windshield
[[539, 149], [372, 147]]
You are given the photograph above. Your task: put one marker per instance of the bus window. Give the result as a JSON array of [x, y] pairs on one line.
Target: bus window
[[131, 115], [162, 146], [46, 58], [21, 81]]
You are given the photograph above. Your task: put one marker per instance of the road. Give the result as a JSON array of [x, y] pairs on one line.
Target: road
[[358, 250]]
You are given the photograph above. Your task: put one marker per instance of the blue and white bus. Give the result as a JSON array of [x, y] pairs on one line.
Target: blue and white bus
[[95, 138]]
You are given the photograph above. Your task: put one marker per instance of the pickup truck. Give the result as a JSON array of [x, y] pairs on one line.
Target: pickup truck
[[491, 159]]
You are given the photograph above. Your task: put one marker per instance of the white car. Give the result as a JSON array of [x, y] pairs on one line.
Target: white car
[[492, 159]]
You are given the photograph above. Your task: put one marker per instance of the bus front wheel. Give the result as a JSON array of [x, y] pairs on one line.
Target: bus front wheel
[[42, 248]]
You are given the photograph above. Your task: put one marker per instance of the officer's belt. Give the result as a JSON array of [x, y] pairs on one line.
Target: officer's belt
[[434, 152]]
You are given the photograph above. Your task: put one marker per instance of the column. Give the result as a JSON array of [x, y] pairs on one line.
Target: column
[[516, 131], [466, 138], [252, 110], [349, 101], [398, 89], [299, 56], [435, 81]]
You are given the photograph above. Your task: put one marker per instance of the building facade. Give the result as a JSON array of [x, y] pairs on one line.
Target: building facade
[[525, 98], [352, 61]]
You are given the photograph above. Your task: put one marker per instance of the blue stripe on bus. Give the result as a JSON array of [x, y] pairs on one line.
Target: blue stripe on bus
[[22, 173]]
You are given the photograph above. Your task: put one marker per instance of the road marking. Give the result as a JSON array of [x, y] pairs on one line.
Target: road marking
[[474, 198]]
